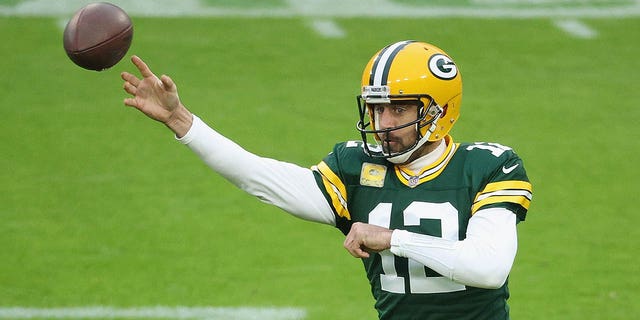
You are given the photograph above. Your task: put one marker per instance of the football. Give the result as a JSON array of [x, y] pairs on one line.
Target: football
[[98, 36]]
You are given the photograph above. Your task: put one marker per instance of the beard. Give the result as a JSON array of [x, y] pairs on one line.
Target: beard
[[391, 144]]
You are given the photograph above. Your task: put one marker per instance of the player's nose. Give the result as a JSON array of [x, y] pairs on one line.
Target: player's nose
[[385, 120]]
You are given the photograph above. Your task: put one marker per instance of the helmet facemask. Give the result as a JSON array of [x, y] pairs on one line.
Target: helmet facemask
[[428, 113]]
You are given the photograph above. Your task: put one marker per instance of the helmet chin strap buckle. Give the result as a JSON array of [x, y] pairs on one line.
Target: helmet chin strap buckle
[[434, 110], [376, 94]]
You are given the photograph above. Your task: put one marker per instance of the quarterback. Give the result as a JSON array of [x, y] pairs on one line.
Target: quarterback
[[433, 220]]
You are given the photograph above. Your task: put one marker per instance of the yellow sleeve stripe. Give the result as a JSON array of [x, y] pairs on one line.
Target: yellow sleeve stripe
[[521, 200], [518, 192], [336, 190], [506, 185]]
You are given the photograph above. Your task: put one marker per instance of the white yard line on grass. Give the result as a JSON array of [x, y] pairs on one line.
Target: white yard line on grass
[[321, 12], [157, 312], [576, 28], [327, 28], [329, 9]]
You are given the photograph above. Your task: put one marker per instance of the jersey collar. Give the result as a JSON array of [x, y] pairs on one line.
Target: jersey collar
[[430, 171]]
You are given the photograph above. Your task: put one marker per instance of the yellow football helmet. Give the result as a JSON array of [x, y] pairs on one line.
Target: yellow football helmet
[[415, 71]]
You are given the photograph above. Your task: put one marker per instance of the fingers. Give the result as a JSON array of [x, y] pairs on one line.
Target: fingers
[[128, 77], [364, 238], [142, 67], [354, 243], [167, 83], [361, 253], [130, 88], [131, 102], [358, 252], [131, 83]]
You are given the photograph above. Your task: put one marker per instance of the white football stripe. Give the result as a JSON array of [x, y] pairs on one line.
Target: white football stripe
[[523, 193], [377, 74]]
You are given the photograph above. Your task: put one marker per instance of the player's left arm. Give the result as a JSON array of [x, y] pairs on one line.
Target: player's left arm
[[485, 257]]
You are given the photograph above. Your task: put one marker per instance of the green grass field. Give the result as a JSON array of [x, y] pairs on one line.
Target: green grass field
[[99, 206]]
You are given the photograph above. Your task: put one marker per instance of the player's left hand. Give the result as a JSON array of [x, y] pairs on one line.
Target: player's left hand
[[364, 238]]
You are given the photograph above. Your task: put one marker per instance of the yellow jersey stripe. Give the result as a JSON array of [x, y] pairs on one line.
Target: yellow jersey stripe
[[431, 172], [521, 200], [507, 185], [432, 175], [336, 190], [513, 191]]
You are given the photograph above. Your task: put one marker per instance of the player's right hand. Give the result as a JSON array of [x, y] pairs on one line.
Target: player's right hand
[[156, 97]]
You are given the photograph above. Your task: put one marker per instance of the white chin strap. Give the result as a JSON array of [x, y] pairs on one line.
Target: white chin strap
[[402, 158]]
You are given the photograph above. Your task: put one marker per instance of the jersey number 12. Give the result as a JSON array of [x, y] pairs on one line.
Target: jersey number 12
[[419, 282]]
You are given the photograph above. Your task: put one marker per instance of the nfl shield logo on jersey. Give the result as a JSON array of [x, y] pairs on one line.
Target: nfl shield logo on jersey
[[413, 181]]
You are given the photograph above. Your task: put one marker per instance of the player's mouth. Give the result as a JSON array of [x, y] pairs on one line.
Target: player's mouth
[[390, 143]]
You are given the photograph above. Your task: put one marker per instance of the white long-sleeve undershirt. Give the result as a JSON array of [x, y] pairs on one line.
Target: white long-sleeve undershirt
[[483, 259], [285, 185]]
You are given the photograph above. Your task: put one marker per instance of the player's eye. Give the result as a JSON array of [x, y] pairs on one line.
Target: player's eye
[[399, 109]]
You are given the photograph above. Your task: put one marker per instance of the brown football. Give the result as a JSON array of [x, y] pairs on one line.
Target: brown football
[[98, 36]]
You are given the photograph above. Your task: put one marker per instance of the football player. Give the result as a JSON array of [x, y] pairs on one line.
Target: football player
[[433, 220]]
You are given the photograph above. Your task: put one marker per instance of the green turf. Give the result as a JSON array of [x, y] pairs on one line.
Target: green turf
[[99, 206], [518, 4], [244, 3]]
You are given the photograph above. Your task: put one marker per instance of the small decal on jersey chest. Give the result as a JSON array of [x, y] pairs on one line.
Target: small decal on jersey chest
[[414, 181], [372, 175]]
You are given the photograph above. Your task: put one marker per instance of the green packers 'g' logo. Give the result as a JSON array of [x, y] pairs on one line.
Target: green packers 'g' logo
[[442, 67]]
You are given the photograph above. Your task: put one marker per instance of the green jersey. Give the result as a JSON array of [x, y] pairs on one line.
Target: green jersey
[[438, 201]]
